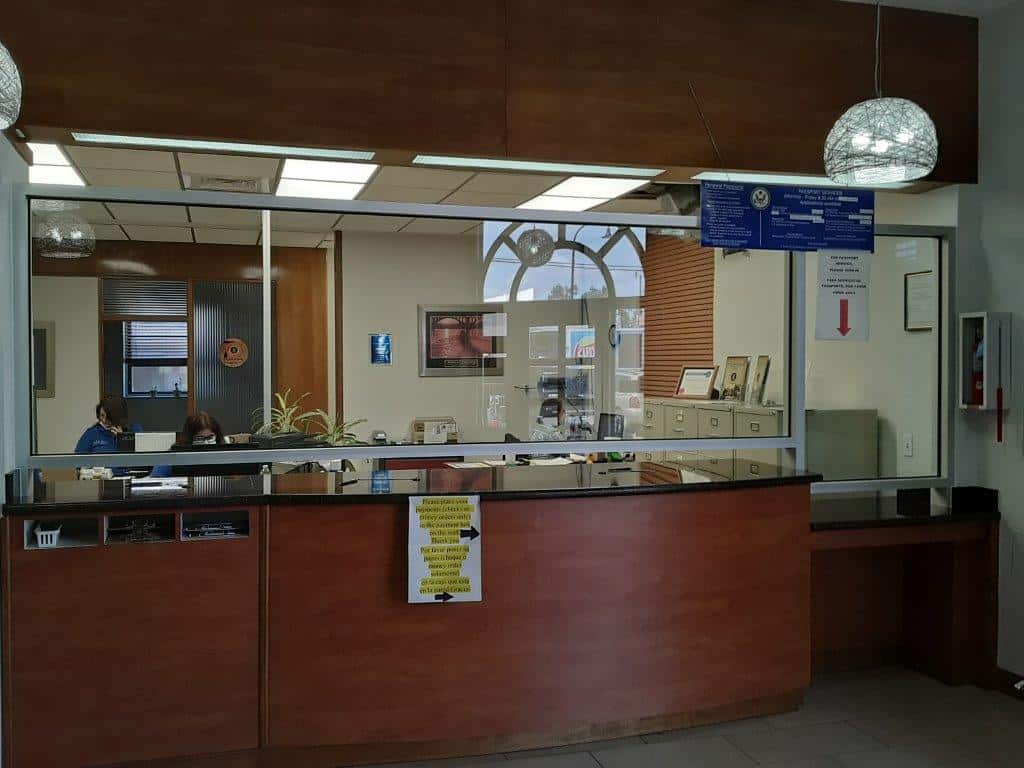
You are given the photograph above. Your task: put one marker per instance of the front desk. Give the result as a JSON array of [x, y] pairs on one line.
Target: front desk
[[614, 603]]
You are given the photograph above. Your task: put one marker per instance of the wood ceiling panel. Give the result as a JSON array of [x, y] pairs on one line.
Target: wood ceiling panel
[[387, 73], [607, 80]]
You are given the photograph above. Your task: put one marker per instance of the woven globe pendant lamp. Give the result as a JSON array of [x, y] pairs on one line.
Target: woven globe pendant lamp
[[883, 140], [10, 89]]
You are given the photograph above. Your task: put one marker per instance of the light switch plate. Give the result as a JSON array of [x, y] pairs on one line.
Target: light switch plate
[[908, 445]]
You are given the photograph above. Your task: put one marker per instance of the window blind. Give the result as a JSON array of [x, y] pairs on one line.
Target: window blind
[[149, 341], [163, 298]]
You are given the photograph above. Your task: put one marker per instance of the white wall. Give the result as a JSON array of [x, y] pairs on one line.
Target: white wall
[[990, 274], [72, 305], [750, 313]]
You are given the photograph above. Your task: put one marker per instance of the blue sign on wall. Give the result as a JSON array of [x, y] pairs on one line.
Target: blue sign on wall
[[380, 349], [783, 218]]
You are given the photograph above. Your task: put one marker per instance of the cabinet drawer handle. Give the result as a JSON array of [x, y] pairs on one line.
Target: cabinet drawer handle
[[679, 429], [714, 422], [755, 426]]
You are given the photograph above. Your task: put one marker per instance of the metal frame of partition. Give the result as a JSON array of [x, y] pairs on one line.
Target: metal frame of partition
[[795, 298]]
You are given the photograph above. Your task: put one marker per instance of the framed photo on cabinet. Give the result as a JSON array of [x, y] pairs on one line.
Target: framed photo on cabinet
[[734, 380], [696, 383]]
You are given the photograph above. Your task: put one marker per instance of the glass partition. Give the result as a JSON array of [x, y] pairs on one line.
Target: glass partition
[[391, 329], [149, 313], [873, 399]]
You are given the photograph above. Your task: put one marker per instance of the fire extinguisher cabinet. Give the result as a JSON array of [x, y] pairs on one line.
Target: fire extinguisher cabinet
[[985, 361]]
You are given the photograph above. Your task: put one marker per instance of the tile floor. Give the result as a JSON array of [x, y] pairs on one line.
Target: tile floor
[[887, 718]]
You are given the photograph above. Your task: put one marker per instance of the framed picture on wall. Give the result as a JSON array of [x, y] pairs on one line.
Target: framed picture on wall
[[453, 341], [696, 383], [734, 380], [920, 305], [757, 384]]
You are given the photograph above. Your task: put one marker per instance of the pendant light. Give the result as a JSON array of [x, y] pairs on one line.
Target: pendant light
[[10, 89], [535, 247], [63, 235], [883, 140]]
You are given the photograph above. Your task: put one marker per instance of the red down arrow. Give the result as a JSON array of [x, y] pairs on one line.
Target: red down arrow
[[844, 317]]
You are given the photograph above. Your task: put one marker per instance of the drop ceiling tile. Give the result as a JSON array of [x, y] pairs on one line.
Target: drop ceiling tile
[[140, 213], [108, 232], [158, 234], [422, 178], [226, 236], [387, 193], [302, 221], [106, 177], [235, 166], [94, 213], [495, 199], [297, 239], [630, 206], [440, 226], [360, 223], [122, 159], [531, 184], [225, 217]]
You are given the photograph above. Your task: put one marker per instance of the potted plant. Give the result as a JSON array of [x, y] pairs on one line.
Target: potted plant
[[287, 425]]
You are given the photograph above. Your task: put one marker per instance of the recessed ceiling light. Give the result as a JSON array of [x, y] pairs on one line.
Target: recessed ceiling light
[[591, 186], [319, 170], [46, 154], [447, 161], [54, 174], [154, 142], [333, 190], [780, 178], [562, 203]]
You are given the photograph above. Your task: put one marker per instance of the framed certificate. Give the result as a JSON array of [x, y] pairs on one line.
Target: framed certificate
[[696, 383]]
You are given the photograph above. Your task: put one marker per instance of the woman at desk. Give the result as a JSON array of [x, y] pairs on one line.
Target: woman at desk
[[111, 423], [199, 429]]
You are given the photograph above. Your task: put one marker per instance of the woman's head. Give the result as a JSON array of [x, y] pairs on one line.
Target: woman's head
[[112, 411], [201, 429]]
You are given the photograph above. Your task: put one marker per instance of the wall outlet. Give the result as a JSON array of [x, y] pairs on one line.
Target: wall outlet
[[908, 445]]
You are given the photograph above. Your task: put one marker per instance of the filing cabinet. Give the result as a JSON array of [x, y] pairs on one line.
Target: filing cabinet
[[720, 463], [757, 422], [714, 421], [680, 421], [652, 421]]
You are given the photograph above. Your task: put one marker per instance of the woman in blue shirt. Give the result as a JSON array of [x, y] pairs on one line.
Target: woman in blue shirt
[[111, 422]]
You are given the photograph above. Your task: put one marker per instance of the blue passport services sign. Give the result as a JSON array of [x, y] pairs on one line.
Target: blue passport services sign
[[784, 218]]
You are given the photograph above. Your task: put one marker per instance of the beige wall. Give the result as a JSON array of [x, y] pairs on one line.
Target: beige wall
[[72, 305]]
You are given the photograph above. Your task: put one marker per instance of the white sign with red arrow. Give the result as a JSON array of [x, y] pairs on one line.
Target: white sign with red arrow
[[843, 296]]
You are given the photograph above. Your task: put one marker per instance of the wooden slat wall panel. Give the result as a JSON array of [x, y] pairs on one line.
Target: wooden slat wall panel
[[679, 312]]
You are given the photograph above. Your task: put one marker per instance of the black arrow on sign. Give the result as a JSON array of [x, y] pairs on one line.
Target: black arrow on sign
[[444, 597], [470, 534]]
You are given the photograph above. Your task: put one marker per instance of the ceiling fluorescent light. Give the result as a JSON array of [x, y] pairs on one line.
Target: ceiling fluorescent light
[[332, 190], [591, 186], [319, 170], [446, 161], [153, 142], [562, 203], [46, 154], [781, 178], [54, 174]]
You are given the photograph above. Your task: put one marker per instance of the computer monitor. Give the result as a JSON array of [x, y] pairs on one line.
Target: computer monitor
[[610, 425]]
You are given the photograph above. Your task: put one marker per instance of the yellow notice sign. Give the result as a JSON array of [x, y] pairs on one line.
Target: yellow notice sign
[[444, 549]]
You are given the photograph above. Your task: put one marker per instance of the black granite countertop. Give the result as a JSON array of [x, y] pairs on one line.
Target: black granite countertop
[[837, 513], [62, 497]]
